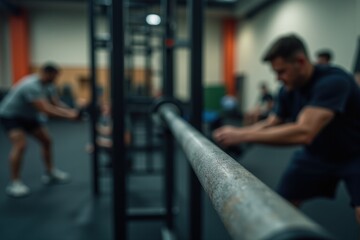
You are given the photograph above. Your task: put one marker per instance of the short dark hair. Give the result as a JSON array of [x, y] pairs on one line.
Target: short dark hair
[[285, 47], [325, 54], [263, 85], [50, 68]]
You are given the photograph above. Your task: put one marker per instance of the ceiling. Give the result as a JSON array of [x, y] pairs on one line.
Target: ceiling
[[11, 5], [236, 8]]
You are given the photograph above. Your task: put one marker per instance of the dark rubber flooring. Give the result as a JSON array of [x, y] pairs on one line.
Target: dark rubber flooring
[[69, 212]]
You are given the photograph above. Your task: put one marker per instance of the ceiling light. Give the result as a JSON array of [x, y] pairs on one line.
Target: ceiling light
[[153, 19]]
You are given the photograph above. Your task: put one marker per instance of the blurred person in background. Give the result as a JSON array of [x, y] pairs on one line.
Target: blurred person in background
[[263, 107], [21, 113], [324, 57]]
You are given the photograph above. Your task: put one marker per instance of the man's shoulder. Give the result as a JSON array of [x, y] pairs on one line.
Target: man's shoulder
[[332, 77], [331, 73], [32, 78], [30, 81]]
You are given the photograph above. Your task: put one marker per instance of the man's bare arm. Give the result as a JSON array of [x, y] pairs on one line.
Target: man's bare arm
[[55, 100], [309, 123], [231, 133], [51, 110], [270, 121]]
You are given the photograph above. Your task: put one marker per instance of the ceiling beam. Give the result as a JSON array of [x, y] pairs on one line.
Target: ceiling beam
[[249, 9], [5, 5]]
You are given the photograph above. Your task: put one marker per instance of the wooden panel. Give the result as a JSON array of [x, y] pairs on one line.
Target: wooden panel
[[78, 79]]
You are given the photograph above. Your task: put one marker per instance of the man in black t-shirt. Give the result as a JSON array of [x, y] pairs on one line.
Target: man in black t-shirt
[[317, 107], [263, 107], [324, 57]]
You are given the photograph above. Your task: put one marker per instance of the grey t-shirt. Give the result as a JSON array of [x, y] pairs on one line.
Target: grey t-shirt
[[18, 102]]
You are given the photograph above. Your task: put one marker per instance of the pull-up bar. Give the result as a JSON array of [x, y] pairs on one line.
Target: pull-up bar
[[248, 208]]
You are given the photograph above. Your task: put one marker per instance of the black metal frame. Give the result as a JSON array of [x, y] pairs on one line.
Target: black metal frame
[[115, 44], [168, 12], [93, 107], [170, 42], [118, 113], [196, 9], [147, 52], [116, 53]]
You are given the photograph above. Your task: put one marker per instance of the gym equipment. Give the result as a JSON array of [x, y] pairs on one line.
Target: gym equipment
[[248, 208]]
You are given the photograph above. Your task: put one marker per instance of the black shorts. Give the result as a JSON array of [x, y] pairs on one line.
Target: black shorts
[[309, 176], [28, 125]]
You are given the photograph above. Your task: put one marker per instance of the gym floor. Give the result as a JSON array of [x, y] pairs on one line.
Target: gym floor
[[70, 212]]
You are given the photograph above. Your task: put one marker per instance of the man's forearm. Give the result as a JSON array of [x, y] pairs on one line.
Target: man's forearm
[[56, 101], [286, 134], [61, 104], [308, 125], [269, 122], [55, 111]]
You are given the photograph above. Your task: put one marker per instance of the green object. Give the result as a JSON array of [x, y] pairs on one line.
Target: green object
[[212, 97]]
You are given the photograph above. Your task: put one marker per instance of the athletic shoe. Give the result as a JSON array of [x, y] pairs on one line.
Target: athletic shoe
[[56, 176], [17, 189]]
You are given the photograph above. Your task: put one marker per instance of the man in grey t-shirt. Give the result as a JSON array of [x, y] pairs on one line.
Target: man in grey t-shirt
[[20, 113]]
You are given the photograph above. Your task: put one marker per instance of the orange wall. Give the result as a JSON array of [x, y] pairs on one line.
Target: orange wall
[[229, 29], [19, 44]]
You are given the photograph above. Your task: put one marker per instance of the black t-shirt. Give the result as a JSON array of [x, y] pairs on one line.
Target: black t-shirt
[[267, 97], [334, 89]]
